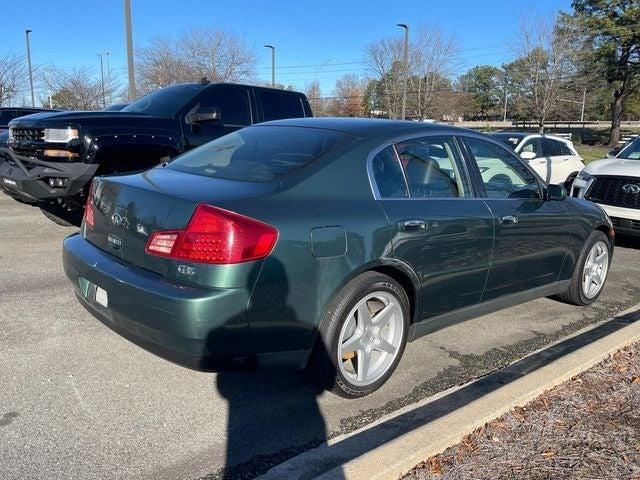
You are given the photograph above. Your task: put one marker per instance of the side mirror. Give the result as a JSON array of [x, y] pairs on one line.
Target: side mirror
[[527, 155], [556, 192], [612, 153], [205, 114]]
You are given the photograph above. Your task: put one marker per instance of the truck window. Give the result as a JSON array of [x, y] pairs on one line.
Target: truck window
[[276, 105], [233, 103]]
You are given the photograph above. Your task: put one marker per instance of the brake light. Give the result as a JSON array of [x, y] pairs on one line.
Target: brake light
[[89, 217], [216, 236]]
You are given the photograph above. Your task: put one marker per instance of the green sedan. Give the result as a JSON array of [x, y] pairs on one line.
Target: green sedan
[[327, 244]]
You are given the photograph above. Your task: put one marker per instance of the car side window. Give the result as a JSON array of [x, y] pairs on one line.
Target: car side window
[[503, 175], [532, 145], [433, 168], [233, 103], [276, 105], [388, 175], [554, 148]]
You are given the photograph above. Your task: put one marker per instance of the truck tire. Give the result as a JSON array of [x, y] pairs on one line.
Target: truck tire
[[62, 216]]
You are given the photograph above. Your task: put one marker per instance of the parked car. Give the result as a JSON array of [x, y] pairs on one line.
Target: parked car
[[328, 243], [614, 184], [555, 159], [55, 155], [9, 113]]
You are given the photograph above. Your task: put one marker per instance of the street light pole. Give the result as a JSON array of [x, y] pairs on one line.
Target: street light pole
[[104, 101], [33, 99], [129, 40], [273, 64], [406, 68]]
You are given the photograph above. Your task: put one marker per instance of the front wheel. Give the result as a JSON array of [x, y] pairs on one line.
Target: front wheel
[[590, 273], [362, 336]]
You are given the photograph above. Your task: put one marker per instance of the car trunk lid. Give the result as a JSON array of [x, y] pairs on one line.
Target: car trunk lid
[[129, 208]]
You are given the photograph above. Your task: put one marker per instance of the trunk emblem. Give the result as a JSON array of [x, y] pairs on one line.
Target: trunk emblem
[[114, 241], [186, 269], [631, 188]]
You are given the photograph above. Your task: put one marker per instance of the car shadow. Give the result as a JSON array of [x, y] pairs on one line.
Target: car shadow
[[272, 415]]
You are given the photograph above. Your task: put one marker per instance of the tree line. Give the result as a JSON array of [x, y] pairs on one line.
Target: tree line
[[580, 64]]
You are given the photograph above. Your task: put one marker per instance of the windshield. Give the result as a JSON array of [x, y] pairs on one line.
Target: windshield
[[631, 151], [165, 102], [508, 139], [259, 154], [7, 115]]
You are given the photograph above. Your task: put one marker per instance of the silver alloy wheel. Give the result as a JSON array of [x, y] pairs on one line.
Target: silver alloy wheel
[[595, 269], [370, 338]]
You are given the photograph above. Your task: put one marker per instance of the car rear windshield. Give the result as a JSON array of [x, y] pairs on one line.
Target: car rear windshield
[[260, 153], [165, 102]]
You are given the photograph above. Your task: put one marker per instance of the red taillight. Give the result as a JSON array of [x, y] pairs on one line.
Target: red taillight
[[89, 218], [214, 235]]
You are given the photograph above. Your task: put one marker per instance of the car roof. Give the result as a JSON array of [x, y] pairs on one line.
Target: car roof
[[362, 127], [28, 109]]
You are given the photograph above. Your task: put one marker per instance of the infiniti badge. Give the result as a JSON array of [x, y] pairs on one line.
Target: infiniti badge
[[631, 188], [119, 221]]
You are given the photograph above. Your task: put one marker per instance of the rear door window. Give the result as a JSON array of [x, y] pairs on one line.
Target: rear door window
[[433, 168], [259, 153], [532, 145], [388, 175], [555, 148], [277, 105]]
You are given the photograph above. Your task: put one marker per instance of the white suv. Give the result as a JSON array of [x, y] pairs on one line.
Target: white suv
[[614, 184], [553, 158]]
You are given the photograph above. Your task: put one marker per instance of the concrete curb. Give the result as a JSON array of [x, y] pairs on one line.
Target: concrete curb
[[398, 455]]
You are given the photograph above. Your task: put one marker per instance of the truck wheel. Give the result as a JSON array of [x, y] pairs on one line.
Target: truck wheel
[[590, 272], [62, 216], [362, 336]]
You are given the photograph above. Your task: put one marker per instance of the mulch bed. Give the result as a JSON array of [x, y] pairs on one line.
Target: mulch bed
[[586, 428]]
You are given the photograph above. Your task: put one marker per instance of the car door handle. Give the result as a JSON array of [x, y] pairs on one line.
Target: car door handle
[[412, 225], [508, 220]]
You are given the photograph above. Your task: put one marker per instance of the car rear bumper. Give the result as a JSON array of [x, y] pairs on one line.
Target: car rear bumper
[[199, 328], [27, 178]]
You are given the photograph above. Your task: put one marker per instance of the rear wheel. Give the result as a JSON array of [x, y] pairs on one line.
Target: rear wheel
[[363, 336], [62, 215], [590, 273]]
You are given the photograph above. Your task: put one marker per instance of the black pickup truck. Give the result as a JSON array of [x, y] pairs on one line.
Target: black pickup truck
[[52, 157]]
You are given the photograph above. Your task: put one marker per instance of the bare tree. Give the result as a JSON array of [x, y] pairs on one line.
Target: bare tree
[[13, 77], [219, 55], [314, 94], [348, 98], [159, 64], [545, 66], [432, 57], [75, 88]]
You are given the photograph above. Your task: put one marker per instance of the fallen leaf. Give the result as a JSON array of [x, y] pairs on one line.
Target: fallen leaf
[[548, 454], [435, 467]]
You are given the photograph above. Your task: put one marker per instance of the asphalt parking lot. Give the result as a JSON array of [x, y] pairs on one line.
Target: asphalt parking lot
[[77, 401]]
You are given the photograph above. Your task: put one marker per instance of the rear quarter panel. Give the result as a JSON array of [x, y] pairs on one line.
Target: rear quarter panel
[[296, 281]]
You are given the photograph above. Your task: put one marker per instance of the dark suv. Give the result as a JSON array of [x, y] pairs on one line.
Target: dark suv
[[52, 157]]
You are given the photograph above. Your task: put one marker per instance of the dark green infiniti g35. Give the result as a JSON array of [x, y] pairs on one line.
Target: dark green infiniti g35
[[327, 244]]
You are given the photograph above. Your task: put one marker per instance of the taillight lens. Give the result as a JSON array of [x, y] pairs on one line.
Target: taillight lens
[[217, 236], [89, 217]]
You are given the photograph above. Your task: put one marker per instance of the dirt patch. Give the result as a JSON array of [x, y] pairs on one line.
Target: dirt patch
[[588, 427]]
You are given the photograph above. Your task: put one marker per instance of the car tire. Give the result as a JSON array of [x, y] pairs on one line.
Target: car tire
[[378, 344], [62, 216], [576, 294]]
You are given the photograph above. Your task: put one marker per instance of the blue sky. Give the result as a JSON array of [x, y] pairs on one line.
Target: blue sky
[[71, 32]]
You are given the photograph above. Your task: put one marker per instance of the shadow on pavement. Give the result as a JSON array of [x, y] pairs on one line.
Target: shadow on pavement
[[627, 241]]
